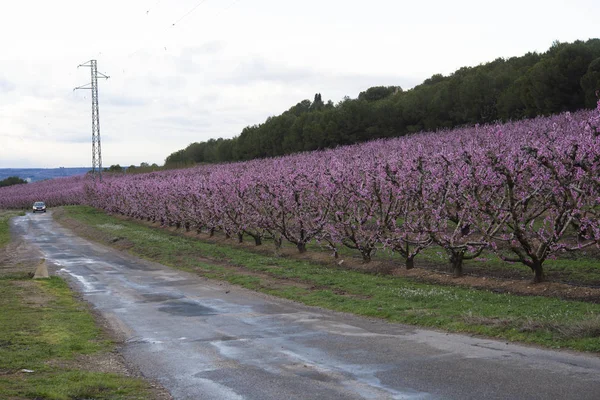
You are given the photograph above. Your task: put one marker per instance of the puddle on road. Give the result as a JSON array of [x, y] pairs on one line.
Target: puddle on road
[[314, 375], [187, 309], [180, 282], [136, 265], [221, 338], [160, 297], [65, 256]]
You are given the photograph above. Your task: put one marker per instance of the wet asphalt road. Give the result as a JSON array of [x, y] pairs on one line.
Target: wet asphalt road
[[205, 340]]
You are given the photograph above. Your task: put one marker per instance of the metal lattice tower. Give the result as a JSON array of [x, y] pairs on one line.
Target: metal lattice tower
[[93, 86]]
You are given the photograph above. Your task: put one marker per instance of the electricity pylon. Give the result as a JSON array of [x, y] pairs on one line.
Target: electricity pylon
[[93, 86]]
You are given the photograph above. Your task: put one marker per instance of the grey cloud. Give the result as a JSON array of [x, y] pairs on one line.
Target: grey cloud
[[6, 85], [53, 132], [206, 98], [78, 137], [363, 82], [18, 162], [199, 106], [184, 122], [45, 133], [212, 47], [166, 82], [193, 59], [258, 69], [124, 101]]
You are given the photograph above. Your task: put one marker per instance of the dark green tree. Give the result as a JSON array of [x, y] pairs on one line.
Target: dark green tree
[[114, 168], [377, 93], [317, 104], [12, 180], [590, 83]]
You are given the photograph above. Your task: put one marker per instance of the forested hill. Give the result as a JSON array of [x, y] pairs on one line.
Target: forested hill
[[564, 78]]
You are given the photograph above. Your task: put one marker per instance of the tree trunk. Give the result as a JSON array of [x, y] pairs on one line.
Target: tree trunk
[[278, 242], [366, 256], [301, 247], [538, 270], [187, 226], [456, 259], [410, 262], [240, 237], [257, 240], [212, 232]]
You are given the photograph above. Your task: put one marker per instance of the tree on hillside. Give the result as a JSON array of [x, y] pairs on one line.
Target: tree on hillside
[[554, 84], [378, 93], [317, 103], [114, 168], [590, 83], [12, 180]]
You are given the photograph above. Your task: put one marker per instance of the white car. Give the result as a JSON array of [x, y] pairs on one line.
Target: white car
[[39, 206]]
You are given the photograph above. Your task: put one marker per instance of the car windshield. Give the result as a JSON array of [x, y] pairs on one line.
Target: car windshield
[[39, 204]]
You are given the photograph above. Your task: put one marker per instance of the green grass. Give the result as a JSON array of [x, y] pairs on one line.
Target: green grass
[[5, 216], [541, 320], [73, 385], [580, 267], [44, 336], [44, 328]]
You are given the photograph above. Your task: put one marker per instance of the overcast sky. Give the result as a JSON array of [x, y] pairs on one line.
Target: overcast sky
[[183, 71]]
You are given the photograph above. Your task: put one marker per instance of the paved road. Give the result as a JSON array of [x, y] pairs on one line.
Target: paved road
[[205, 340]]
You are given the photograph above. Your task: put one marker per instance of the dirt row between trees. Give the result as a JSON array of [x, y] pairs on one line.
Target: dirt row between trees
[[427, 272]]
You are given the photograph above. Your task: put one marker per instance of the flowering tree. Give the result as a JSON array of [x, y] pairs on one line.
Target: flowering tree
[[405, 229], [362, 202], [533, 192], [297, 203]]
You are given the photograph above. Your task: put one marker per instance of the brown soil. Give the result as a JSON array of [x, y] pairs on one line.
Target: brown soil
[[499, 285], [515, 283], [35, 298], [18, 257]]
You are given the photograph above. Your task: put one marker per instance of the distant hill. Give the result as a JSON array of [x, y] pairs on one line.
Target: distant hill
[[40, 174], [564, 78]]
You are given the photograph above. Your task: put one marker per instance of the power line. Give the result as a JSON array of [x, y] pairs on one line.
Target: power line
[[152, 7], [189, 12], [173, 24], [227, 8]]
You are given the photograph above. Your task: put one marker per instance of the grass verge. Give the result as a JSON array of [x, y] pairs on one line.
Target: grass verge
[[50, 345], [4, 231], [545, 321]]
